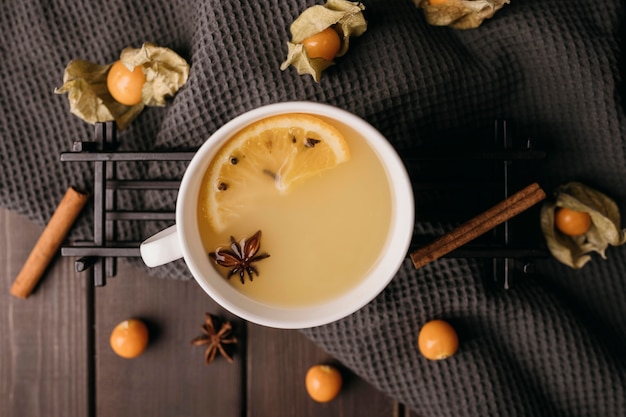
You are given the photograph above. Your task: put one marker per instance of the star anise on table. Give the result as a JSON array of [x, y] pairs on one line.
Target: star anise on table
[[214, 339], [240, 256]]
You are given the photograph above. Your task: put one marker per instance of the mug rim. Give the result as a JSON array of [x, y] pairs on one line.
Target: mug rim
[[379, 276]]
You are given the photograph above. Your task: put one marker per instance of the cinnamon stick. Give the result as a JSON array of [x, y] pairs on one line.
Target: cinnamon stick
[[49, 242], [479, 225]]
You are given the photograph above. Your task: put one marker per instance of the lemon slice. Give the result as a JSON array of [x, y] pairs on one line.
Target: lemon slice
[[271, 155]]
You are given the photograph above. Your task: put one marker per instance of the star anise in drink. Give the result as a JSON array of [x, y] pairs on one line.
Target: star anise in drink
[[214, 340], [240, 257]]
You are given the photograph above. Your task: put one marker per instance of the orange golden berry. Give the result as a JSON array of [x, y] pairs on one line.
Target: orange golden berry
[[572, 222], [323, 382], [125, 86], [129, 338], [325, 44], [438, 340]]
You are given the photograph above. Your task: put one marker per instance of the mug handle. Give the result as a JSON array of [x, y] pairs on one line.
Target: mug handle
[[161, 248]]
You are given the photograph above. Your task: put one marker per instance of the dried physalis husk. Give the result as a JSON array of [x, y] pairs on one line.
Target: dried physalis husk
[[86, 84], [605, 227], [459, 14], [345, 17]]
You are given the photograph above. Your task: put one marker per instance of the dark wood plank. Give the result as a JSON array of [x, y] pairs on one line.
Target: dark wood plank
[[169, 378], [43, 349], [277, 364], [46, 356]]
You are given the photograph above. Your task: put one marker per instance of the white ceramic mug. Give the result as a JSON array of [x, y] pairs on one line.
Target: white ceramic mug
[[184, 240]]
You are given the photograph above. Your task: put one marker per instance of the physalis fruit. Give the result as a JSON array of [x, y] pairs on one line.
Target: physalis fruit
[[119, 91], [129, 338], [314, 35], [578, 221], [323, 382], [437, 340], [459, 14]]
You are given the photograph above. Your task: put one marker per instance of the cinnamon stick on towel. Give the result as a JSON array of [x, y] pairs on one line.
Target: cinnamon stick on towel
[[479, 225], [49, 242]]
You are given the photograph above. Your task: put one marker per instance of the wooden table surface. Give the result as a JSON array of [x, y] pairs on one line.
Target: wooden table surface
[[55, 358]]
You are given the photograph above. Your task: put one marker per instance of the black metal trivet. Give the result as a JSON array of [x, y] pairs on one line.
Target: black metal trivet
[[451, 166]]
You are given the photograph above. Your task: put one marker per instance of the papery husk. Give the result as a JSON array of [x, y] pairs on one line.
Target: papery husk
[[165, 71], [460, 14], [574, 251], [86, 84], [296, 56], [89, 99], [345, 17]]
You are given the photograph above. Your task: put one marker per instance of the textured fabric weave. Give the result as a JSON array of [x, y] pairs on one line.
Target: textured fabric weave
[[551, 345]]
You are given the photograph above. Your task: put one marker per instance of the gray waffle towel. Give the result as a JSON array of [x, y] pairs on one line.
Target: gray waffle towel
[[552, 345]]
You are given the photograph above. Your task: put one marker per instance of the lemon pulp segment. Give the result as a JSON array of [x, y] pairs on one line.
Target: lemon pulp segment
[[271, 155]]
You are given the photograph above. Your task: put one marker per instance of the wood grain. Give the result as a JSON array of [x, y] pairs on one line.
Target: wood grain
[[43, 349], [277, 364], [55, 358], [169, 378]]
